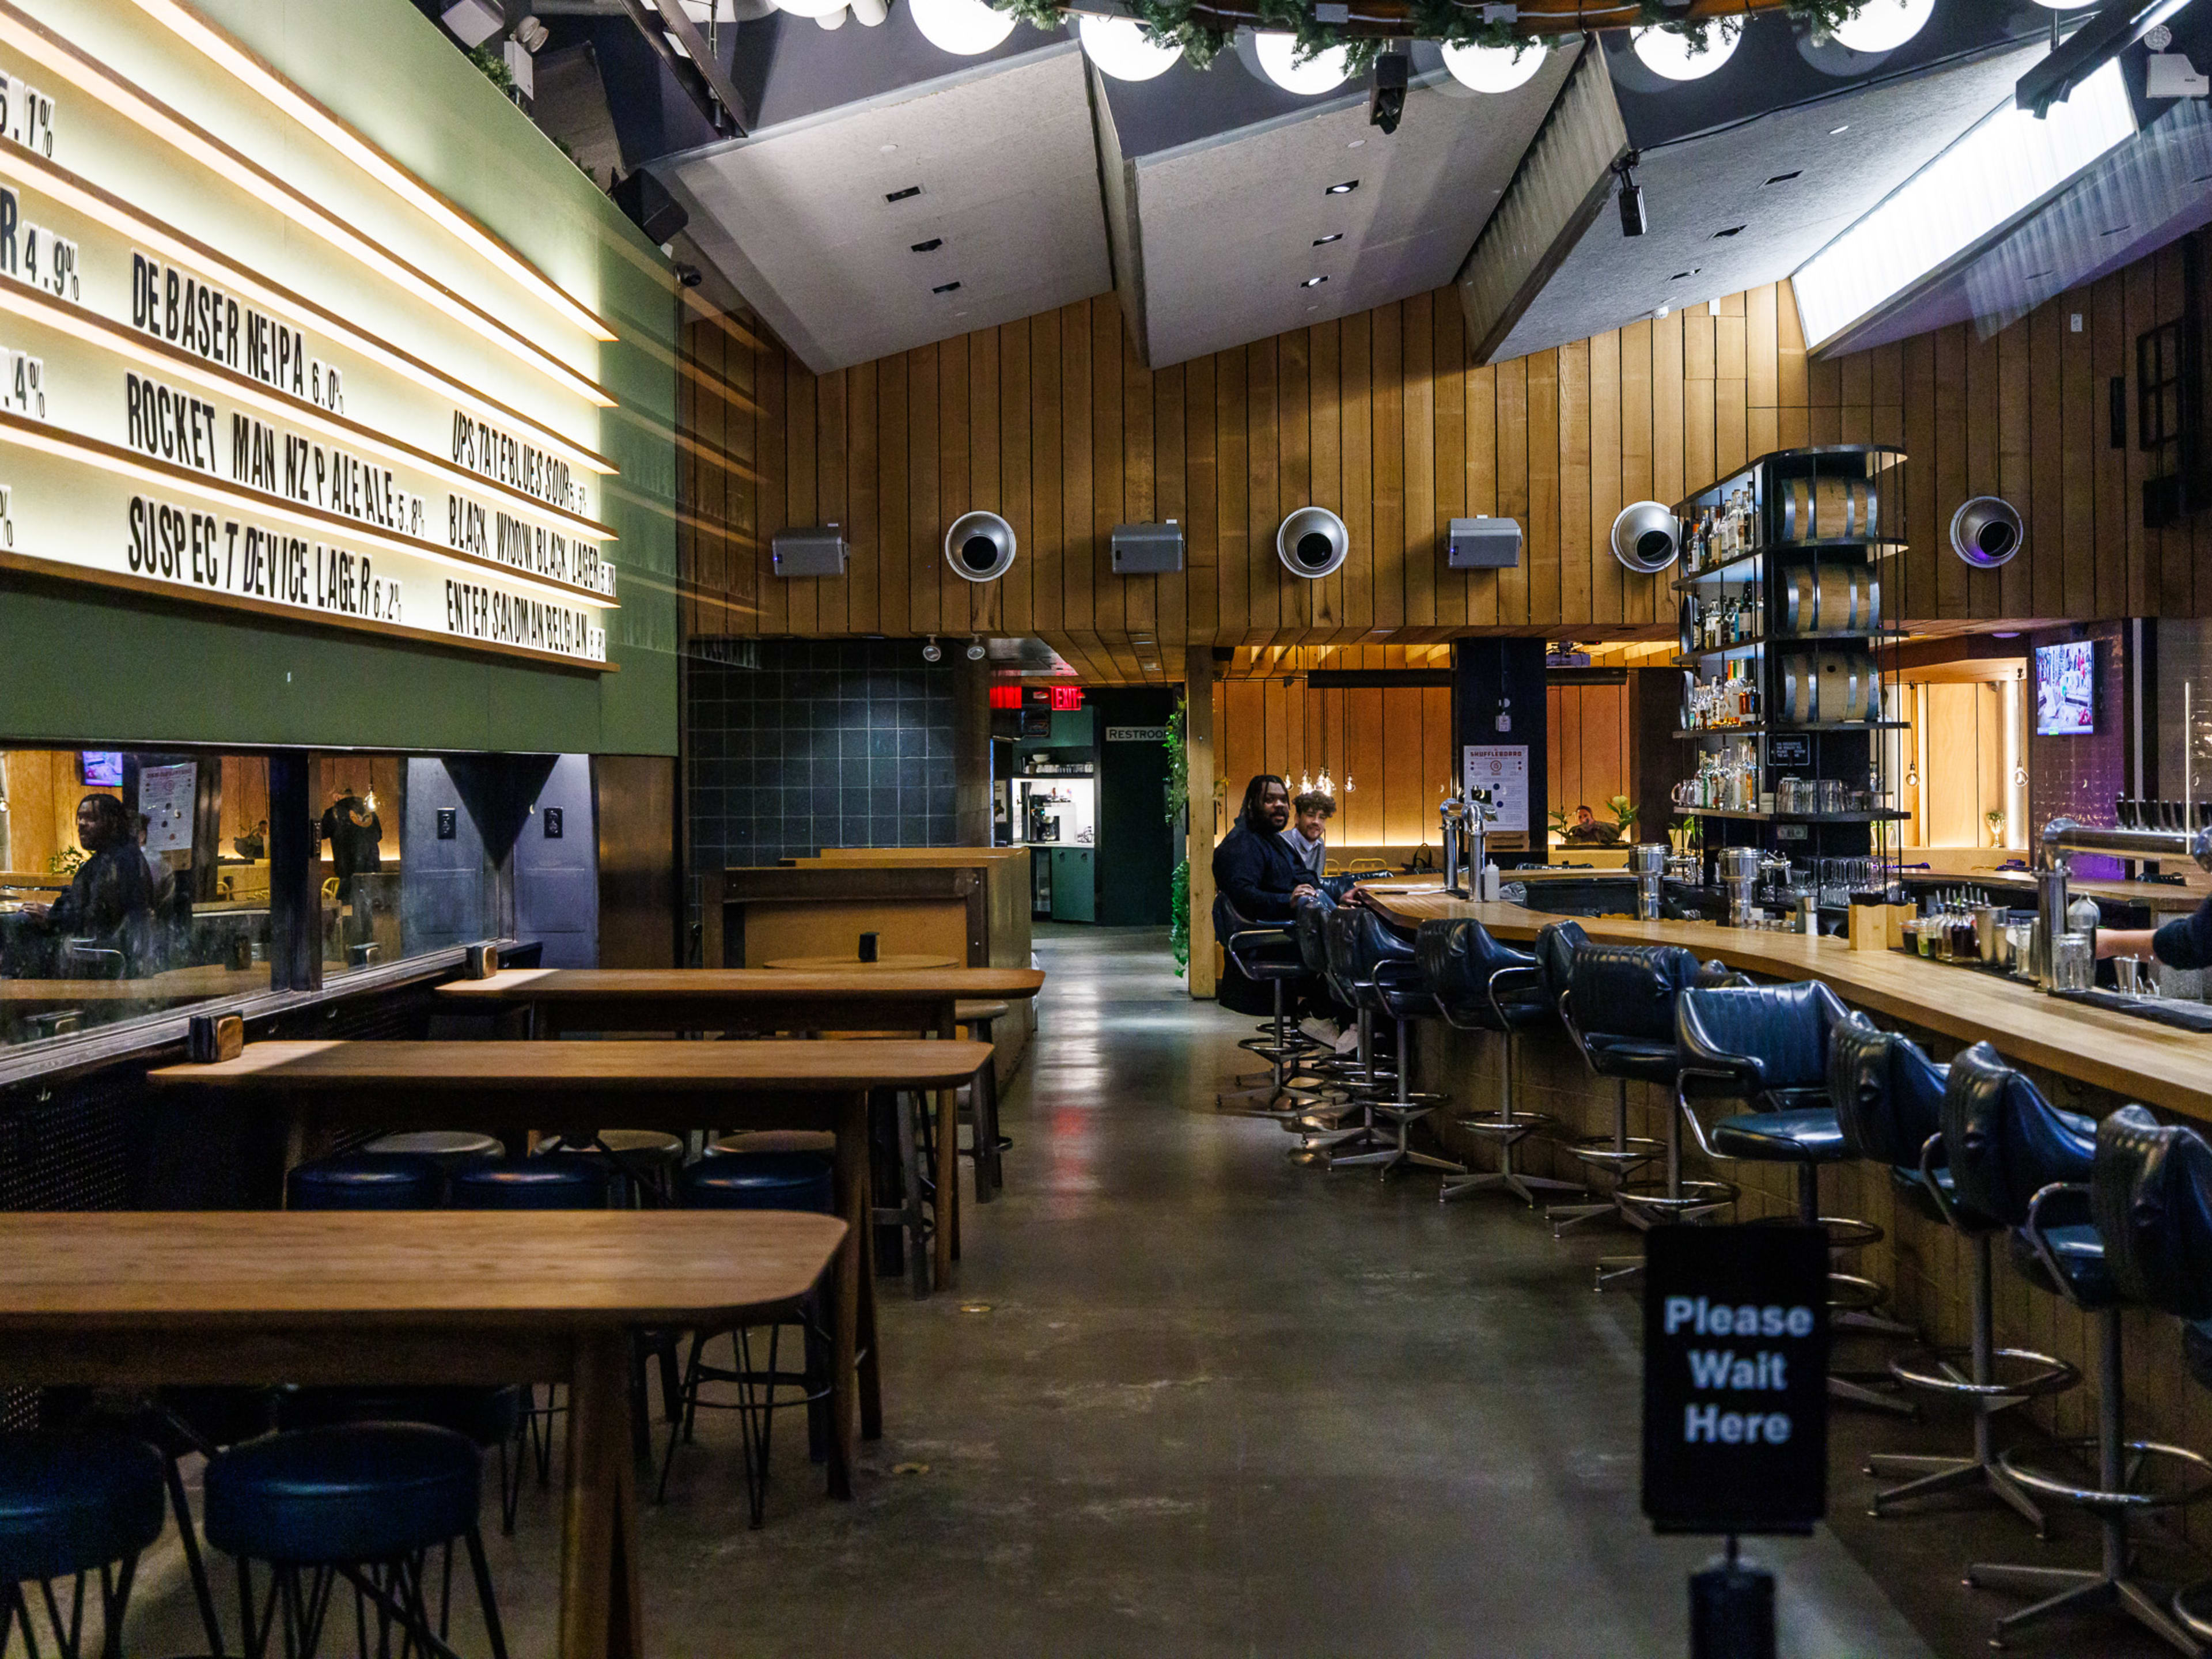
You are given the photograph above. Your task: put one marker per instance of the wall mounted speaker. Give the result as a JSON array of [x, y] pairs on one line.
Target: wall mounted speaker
[[1312, 543], [980, 547], [1645, 537], [1483, 544], [1147, 550], [816, 550], [1987, 532]]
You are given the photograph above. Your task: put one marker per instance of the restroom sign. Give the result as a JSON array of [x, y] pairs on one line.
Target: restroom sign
[[1736, 1378]]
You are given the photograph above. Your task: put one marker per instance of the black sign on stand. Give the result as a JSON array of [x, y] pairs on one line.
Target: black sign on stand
[[1736, 1379]]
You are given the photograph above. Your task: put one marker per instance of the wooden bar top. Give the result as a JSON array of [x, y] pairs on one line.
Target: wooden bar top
[[471, 1269], [738, 986], [175, 986], [536, 1071], [2137, 1059]]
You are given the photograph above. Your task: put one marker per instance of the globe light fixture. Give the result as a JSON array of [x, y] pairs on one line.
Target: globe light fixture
[[1882, 25], [1493, 69], [1324, 71], [1121, 48], [1667, 54], [966, 28]]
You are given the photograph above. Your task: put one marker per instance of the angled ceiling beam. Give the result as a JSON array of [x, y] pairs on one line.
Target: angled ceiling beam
[[700, 74]]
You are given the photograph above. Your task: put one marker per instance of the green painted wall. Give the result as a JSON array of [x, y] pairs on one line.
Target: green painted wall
[[77, 666]]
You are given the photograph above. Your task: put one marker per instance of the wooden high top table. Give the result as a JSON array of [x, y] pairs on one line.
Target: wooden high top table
[[576, 1089], [853, 995], [266, 1296]]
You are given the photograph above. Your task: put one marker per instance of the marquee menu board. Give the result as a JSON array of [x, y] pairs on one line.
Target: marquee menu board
[[248, 360]]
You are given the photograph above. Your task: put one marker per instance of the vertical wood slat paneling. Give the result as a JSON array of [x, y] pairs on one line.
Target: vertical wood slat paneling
[[1380, 416], [1391, 745]]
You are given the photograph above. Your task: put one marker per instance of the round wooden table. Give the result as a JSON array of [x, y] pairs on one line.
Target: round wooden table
[[887, 962]]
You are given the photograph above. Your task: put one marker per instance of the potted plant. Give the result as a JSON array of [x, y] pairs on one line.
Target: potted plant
[[1996, 818], [1624, 814]]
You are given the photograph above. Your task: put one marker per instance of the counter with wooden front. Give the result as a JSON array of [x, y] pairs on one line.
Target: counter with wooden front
[[2085, 1059]]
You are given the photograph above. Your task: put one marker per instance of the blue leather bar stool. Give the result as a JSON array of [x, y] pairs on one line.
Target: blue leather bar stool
[[1379, 966], [1889, 1097], [1620, 1010], [366, 1502], [1267, 954], [1482, 985], [759, 1181], [562, 1181], [1613, 1155], [638, 1162], [71, 1506], [2192, 1607], [1324, 1079], [1767, 1046], [2017, 1162], [490, 1418], [366, 1181]]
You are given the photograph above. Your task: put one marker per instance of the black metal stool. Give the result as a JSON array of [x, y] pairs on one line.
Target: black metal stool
[[1889, 1097], [1267, 954], [986, 1145], [73, 1506], [1481, 985], [1380, 969]]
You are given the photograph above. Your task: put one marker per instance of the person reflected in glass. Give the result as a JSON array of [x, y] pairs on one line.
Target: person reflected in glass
[[103, 925], [355, 836]]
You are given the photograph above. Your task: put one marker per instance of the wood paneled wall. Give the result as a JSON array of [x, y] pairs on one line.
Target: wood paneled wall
[[1588, 733], [1052, 422], [1386, 748]]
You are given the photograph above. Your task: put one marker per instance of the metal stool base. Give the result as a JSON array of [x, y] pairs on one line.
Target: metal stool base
[[1932, 1476], [2069, 1589]]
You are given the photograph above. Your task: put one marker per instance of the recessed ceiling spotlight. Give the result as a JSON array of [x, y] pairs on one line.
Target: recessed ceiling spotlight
[[1355, 143], [1312, 282], [946, 287], [1733, 230], [929, 246], [1344, 189], [1784, 178], [887, 148], [2115, 230], [1334, 236], [1679, 275], [1832, 131]]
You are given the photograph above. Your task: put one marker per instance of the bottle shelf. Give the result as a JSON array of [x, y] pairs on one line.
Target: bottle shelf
[[1762, 731], [1884, 546], [1885, 815], [1743, 649]]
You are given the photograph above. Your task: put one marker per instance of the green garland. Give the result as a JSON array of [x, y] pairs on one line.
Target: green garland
[[1449, 22]]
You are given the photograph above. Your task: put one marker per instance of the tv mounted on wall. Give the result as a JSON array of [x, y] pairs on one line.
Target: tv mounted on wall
[[101, 769], [2066, 689]]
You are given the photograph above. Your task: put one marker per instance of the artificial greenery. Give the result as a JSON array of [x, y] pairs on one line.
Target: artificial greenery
[[493, 66], [1623, 811], [1449, 22], [66, 862], [1178, 793], [1179, 915]]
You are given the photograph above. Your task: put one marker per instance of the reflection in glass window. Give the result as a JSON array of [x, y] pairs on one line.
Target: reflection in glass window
[[131, 882], [402, 864]]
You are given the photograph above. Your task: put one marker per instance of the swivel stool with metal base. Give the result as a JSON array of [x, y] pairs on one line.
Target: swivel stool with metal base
[[1619, 1009], [74, 1506], [1324, 1079], [1385, 979], [1889, 1097], [1482, 986], [1767, 1046], [1267, 954], [2192, 1608], [2017, 1161]]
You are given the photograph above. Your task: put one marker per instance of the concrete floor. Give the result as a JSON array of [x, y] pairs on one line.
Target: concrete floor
[[1190, 1399]]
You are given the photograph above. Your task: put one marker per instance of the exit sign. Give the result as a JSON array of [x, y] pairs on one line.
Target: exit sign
[[1066, 698]]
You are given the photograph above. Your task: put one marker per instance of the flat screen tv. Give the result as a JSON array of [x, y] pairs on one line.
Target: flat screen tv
[[102, 768], [2066, 689]]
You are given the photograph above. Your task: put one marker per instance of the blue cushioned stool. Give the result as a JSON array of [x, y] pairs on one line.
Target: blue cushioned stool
[[366, 1502], [1889, 1097], [557, 1182], [1267, 954], [1378, 967], [489, 1418], [739, 1180], [71, 1505], [366, 1181]]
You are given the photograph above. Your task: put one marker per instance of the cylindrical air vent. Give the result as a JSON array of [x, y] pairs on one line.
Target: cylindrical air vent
[[1987, 532], [1645, 537], [980, 547], [1313, 541]]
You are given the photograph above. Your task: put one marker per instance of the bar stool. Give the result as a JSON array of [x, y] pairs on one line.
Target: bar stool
[[490, 1419], [366, 1181], [448, 1148], [1767, 1046], [977, 1017], [1889, 1097], [637, 1161], [1620, 1010], [72, 1505], [1385, 979], [1481, 985], [366, 1502], [2103, 1236], [561, 1180], [752, 1180], [2192, 1607], [1323, 1079], [1266, 954]]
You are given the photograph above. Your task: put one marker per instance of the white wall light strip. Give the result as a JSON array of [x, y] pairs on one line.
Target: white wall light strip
[[22, 432], [19, 298], [164, 124], [34, 172], [2003, 166], [274, 89]]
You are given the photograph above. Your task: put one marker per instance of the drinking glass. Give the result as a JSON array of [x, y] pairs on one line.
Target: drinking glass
[[2073, 963]]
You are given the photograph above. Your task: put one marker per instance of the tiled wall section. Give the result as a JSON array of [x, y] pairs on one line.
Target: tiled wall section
[[843, 744]]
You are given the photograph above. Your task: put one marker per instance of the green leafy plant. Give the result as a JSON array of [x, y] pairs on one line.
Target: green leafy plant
[[1179, 916], [493, 62], [1623, 811], [66, 862], [1178, 748]]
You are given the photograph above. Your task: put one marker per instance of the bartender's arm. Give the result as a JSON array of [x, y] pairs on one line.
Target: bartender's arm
[[2184, 942]]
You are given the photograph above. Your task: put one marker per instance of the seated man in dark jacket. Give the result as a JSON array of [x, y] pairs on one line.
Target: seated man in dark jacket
[[109, 906], [1255, 869]]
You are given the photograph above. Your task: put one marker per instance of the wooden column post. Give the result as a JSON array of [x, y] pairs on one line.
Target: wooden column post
[[1198, 687]]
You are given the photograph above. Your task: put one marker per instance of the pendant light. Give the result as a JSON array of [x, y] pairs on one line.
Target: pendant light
[[1666, 54], [1882, 25], [1123, 48], [966, 28], [1325, 71], [1494, 68]]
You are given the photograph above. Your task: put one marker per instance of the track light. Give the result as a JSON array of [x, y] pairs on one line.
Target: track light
[[976, 651], [932, 652], [1385, 103], [1632, 195]]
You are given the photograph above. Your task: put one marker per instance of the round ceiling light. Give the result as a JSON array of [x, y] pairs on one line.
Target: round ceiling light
[[966, 28], [1325, 71], [1122, 48], [1665, 53], [2064, 5], [1882, 25], [1493, 69]]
